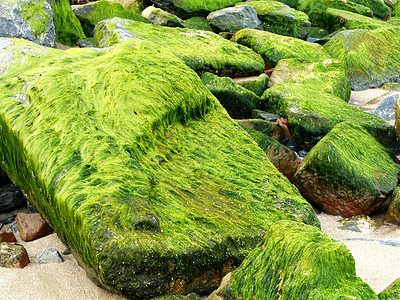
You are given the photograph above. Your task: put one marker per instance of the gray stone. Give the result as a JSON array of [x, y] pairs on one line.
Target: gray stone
[[50, 255], [10, 197], [385, 108], [157, 16], [361, 223], [232, 19]]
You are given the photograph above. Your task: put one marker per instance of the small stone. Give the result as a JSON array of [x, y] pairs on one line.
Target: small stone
[[50, 255], [10, 198], [7, 237], [66, 252], [86, 44], [361, 223], [13, 256], [32, 226]]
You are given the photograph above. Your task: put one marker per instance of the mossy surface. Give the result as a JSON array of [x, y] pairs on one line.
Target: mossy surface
[[201, 50], [317, 32], [199, 23], [238, 101], [37, 16], [256, 84], [274, 47], [379, 8], [371, 56], [297, 261], [68, 28], [396, 9], [392, 292], [127, 147], [328, 76], [279, 18], [395, 21], [157, 16], [353, 172], [393, 213], [312, 114]]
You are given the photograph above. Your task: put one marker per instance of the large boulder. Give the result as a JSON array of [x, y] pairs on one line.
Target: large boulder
[[127, 147], [371, 56], [157, 16], [27, 19], [348, 172], [274, 47], [200, 50], [279, 18]]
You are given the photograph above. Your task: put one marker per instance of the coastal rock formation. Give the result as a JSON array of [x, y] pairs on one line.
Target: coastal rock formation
[[157, 16]]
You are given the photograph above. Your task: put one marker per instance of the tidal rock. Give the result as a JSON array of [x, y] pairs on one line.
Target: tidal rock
[[360, 223], [27, 19], [317, 33], [92, 13], [386, 107], [378, 7], [10, 198], [393, 213], [370, 56], [200, 50], [274, 47], [7, 237], [157, 16], [32, 226], [13, 256], [238, 101], [232, 19], [392, 292], [263, 115], [296, 261], [256, 84], [348, 172], [396, 9], [199, 23], [50, 255], [139, 169], [272, 129], [279, 18]]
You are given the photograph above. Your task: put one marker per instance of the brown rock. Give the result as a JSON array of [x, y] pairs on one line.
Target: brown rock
[[32, 226], [393, 214], [7, 237], [13, 256]]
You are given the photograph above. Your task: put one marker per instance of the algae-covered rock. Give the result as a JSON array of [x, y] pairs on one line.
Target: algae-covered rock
[[256, 84], [200, 50], [92, 13], [163, 190], [392, 292], [359, 223], [274, 47], [379, 7], [279, 18], [312, 114], [232, 19], [348, 172], [199, 23], [27, 19], [371, 56], [317, 33], [272, 129], [238, 101], [328, 76], [396, 9], [393, 213], [157, 16], [296, 261]]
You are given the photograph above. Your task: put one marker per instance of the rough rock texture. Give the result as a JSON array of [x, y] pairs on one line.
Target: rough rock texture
[[256, 84], [238, 101], [232, 19], [279, 18], [32, 226], [348, 172], [49, 256], [392, 292], [92, 13], [27, 19], [378, 7], [7, 237], [13, 256], [163, 190], [328, 76], [371, 56], [296, 261], [199, 23], [312, 114], [274, 47], [393, 213], [272, 129], [157, 16], [10, 198], [386, 107], [200, 50]]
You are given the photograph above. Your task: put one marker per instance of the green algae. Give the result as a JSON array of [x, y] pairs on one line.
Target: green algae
[[127, 147], [370, 56], [199, 23], [266, 127], [317, 33], [256, 84], [392, 292], [36, 15], [296, 261], [274, 47], [201, 50], [379, 8], [312, 114], [396, 9], [392, 215], [160, 17]]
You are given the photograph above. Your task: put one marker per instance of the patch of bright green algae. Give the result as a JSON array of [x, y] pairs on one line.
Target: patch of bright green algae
[[126, 146], [379, 8], [297, 261], [201, 50], [396, 9], [392, 292], [370, 56], [36, 15], [274, 47], [199, 23]]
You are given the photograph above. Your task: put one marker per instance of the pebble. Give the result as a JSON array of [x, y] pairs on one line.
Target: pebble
[[50, 255]]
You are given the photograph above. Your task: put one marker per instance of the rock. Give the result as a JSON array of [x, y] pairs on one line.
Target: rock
[[199, 23], [328, 76], [393, 213], [272, 129], [379, 8], [224, 290], [13, 256], [7, 237], [4, 178], [238, 101], [397, 117], [360, 223], [86, 44], [92, 13], [50, 255], [348, 172], [279, 18], [312, 114], [145, 182], [256, 84], [69, 30], [391, 86], [27, 19], [396, 9], [274, 47], [392, 292], [296, 261], [232, 19], [386, 106], [157, 16], [67, 252], [368, 65], [200, 50], [260, 114], [32, 226], [191, 296], [10, 198], [317, 33]]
